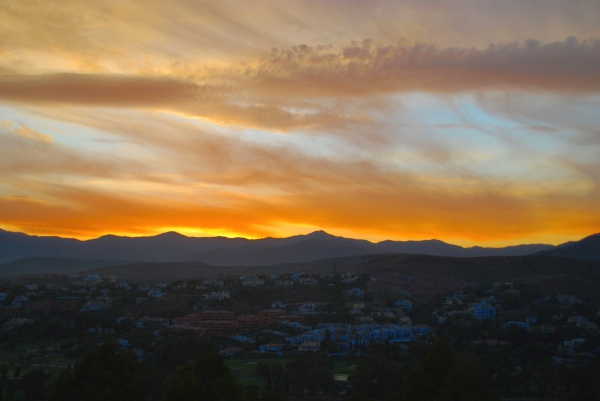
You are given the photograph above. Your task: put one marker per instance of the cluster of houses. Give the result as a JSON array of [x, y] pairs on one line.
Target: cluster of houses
[[14, 323], [219, 322], [350, 336], [101, 302], [252, 281], [215, 296], [570, 352]]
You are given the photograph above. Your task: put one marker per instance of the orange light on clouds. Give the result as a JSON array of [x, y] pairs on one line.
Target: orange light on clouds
[[382, 120]]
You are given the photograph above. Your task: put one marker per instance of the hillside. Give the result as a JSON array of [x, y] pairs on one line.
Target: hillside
[[47, 265], [188, 270], [587, 248], [556, 275]]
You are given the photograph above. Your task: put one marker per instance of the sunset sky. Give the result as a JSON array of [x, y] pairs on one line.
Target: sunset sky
[[469, 121]]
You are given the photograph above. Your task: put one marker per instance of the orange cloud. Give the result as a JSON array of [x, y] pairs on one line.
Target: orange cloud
[[96, 90], [365, 69], [288, 90]]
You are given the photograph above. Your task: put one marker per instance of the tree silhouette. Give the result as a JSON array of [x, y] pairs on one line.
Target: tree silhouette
[[107, 373], [208, 379]]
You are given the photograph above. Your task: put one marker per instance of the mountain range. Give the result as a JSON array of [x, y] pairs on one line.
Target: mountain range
[[222, 251]]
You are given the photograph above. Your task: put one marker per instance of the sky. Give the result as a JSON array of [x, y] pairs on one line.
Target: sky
[[473, 122]]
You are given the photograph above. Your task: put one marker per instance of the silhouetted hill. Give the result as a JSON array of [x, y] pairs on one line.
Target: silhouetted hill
[[587, 248], [47, 265], [321, 245], [174, 247]]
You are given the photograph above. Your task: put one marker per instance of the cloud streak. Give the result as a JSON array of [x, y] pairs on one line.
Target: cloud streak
[[288, 89]]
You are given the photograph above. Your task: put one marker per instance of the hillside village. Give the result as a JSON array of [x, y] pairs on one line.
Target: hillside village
[[343, 316]]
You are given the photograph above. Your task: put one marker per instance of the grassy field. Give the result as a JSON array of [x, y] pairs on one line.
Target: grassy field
[[34, 356], [245, 369]]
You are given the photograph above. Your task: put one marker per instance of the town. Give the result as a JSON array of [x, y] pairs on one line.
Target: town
[[49, 323]]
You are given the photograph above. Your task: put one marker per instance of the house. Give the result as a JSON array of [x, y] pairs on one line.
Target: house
[[156, 293], [356, 305], [243, 339], [278, 305], [255, 282], [567, 299], [19, 300], [576, 319], [139, 353], [405, 304], [306, 346], [421, 330], [383, 313], [271, 348], [583, 322], [485, 311], [308, 307], [91, 306], [356, 291], [523, 325], [213, 283], [308, 281], [124, 286], [216, 296]]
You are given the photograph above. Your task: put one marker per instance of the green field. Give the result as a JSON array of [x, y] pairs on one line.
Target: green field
[[244, 370]]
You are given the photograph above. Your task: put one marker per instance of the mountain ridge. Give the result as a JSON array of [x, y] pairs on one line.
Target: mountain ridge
[[222, 251]]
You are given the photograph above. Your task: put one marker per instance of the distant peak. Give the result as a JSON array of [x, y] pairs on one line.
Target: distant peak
[[320, 234], [171, 234]]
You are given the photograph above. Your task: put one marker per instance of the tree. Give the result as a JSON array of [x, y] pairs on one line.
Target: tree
[[467, 381], [376, 377], [34, 384], [107, 373], [427, 379], [309, 372], [209, 379]]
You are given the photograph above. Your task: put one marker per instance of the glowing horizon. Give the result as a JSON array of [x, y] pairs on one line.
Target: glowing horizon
[[474, 123]]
